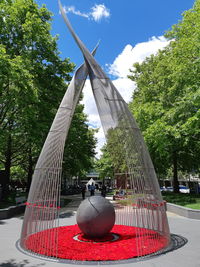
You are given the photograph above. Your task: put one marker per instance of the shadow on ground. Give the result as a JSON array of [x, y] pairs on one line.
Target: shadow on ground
[[67, 214], [14, 263], [177, 242], [2, 222]]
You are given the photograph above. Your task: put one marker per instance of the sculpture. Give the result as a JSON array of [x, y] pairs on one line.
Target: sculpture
[[95, 216], [144, 213]]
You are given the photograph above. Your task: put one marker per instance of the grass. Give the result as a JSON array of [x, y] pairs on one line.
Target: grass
[[124, 202], [195, 206], [186, 200], [110, 193]]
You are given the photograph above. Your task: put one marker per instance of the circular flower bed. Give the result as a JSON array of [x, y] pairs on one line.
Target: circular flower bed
[[131, 242]]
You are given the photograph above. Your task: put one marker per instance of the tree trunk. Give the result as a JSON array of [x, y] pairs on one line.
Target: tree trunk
[[30, 170], [175, 173], [2, 183], [126, 180], [6, 180]]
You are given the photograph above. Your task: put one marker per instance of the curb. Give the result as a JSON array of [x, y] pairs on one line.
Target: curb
[[182, 211], [11, 211]]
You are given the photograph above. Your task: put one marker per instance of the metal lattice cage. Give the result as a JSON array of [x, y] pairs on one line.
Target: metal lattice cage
[[143, 208]]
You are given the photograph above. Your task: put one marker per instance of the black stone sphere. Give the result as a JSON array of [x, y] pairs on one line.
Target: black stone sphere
[[95, 216]]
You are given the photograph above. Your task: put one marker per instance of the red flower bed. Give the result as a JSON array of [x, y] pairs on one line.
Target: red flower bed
[[132, 242]]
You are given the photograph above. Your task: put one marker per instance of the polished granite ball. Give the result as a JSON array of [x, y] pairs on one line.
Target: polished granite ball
[[95, 216]]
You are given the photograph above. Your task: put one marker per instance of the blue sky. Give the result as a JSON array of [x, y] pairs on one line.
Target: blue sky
[[130, 22], [129, 31]]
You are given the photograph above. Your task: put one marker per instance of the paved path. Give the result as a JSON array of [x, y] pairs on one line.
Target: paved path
[[187, 256]]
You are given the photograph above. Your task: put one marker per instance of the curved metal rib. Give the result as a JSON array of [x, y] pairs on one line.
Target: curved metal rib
[[131, 158], [42, 211]]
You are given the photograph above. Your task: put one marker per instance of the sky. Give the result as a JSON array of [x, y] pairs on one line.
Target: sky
[[128, 31]]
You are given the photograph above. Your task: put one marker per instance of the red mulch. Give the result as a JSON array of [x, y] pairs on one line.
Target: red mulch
[[132, 242]]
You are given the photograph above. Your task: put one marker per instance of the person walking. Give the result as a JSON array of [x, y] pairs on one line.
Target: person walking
[[83, 189], [103, 191], [92, 189]]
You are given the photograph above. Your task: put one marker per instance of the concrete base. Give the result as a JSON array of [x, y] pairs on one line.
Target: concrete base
[[11, 211], [182, 211]]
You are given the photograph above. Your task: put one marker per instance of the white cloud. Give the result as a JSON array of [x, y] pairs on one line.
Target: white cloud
[[124, 61], [126, 87], [93, 116], [72, 9], [120, 68], [98, 12]]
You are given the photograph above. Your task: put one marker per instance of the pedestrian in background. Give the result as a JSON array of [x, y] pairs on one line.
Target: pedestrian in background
[[92, 189], [103, 191], [83, 189]]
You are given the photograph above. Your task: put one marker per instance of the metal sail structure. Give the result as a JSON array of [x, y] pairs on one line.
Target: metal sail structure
[[43, 204], [142, 207], [134, 171]]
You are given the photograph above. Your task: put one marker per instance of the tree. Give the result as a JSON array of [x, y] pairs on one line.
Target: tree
[[32, 82], [80, 146], [166, 103], [105, 165]]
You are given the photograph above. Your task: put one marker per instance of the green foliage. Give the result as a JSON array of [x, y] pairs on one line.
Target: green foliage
[[186, 200], [116, 150], [80, 146], [18, 174], [166, 103], [33, 80], [105, 165]]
